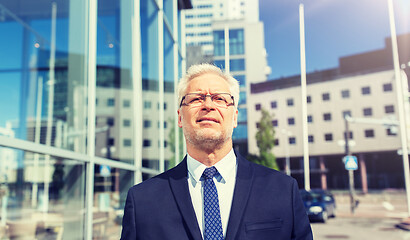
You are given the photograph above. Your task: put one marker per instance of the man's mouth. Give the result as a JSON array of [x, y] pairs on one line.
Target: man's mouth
[[207, 119]]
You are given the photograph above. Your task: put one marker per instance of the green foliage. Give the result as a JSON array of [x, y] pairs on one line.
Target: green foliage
[[172, 143], [265, 140]]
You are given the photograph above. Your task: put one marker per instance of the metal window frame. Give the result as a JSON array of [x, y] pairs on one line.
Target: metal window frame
[[89, 158]]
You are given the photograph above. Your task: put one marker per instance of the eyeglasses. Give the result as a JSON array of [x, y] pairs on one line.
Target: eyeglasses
[[223, 100]]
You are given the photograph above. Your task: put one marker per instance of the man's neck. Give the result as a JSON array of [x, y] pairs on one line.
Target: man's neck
[[209, 158]]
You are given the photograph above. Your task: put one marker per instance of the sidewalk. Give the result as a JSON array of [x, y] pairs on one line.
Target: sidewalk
[[380, 204]]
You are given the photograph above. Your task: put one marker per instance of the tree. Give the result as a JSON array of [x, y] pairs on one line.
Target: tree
[[265, 140]]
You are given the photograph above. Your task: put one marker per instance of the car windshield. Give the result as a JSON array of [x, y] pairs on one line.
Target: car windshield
[[312, 197]]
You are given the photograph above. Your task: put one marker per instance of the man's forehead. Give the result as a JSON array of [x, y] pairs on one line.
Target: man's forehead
[[207, 81]]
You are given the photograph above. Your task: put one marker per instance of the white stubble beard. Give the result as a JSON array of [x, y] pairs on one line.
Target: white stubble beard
[[201, 140]]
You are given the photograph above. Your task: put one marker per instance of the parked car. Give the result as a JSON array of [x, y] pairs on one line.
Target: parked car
[[319, 204]]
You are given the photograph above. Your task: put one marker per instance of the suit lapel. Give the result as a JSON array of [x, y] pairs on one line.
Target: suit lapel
[[244, 179], [179, 186]]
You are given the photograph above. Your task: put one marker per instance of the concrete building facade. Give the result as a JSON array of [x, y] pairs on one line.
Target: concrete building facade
[[367, 93]]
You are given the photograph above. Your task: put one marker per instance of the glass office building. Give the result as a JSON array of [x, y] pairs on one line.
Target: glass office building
[[87, 109], [239, 48]]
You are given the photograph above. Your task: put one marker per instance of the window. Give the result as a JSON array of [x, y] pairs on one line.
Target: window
[[346, 113], [328, 137], [147, 123], [275, 123], [291, 121], [350, 135], [326, 96], [165, 106], [345, 93], [241, 79], [236, 42], [367, 112], [219, 43], [110, 102], [391, 131], [292, 140], [311, 139], [126, 142], [110, 121], [327, 116], [310, 118], [146, 143], [237, 64], [258, 106], [220, 64], [388, 87], [242, 98], [289, 101], [257, 125], [126, 122], [165, 124], [369, 133], [365, 90], [276, 142], [308, 99], [147, 105], [389, 109], [273, 104], [126, 103]]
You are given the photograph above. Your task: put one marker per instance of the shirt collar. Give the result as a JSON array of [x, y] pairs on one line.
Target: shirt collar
[[226, 168]]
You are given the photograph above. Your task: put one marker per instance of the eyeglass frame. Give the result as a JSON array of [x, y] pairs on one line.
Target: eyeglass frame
[[205, 96]]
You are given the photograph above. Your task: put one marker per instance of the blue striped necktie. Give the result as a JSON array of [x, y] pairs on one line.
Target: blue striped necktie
[[212, 214]]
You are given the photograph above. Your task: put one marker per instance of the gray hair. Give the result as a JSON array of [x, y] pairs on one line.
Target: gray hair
[[201, 69]]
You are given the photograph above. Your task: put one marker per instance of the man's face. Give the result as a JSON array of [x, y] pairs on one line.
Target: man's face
[[207, 126]]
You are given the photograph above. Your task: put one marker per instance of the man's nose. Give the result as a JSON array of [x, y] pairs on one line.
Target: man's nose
[[208, 103]]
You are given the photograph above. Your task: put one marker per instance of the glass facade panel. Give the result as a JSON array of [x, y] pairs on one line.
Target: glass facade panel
[[170, 106], [150, 81], [43, 101], [242, 98], [110, 192], [219, 43], [240, 132], [236, 42], [220, 64], [114, 81], [242, 115], [237, 64], [241, 79], [169, 13], [43, 82], [41, 197]]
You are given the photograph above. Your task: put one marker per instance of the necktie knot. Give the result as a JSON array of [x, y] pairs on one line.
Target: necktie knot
[[209, 173]]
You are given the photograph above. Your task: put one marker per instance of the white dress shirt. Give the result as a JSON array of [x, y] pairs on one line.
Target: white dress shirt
[[225, 184]]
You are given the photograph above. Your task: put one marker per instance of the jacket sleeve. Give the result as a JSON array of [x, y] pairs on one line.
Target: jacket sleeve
[[128, 221], [301, 224]]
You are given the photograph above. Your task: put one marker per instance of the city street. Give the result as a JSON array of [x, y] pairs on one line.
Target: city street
[[359, 229], [375, 218]]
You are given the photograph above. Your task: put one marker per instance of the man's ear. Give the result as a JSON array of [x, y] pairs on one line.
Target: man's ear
[[179, 118]]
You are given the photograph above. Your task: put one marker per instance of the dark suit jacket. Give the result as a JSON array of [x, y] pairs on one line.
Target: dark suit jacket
[[266, 205]]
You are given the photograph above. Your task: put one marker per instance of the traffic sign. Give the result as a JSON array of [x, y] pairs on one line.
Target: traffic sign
[[350, 162], [105, 170]]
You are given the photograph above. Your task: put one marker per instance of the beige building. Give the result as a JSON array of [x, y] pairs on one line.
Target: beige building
[[370, 96], [362, 87]]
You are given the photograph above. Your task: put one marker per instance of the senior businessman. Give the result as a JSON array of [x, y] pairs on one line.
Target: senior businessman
[[214, 193]]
